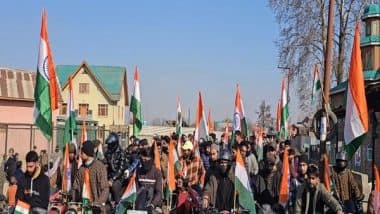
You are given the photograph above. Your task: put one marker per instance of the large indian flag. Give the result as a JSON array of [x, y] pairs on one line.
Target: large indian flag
[[284, 111], [70, 123], [239, 122], [22, 208], [136, 105], [316, 83], [356, 120], [201, 128], [129, 195], [179, 127], [242, 186], [46, 90]]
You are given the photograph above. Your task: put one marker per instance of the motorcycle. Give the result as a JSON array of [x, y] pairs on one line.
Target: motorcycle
[[58, 203]]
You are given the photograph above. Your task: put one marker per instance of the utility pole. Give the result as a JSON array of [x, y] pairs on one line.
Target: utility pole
[[328, 65]]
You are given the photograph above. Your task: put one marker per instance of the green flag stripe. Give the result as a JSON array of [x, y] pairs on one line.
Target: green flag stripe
[[352, 147], [136, 110], [43, 112], [245, 197]]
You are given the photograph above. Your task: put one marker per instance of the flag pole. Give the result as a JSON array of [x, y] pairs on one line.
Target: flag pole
[[235, 195], [48, 156], [374, 136]]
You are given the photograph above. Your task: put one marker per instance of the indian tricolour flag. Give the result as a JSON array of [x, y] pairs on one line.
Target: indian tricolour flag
[[178, 130], [70, 123], [278, 117], [22, 208], [284, 111], [285, 182], [46, 90], [66, 180], [316, 83], [129, 195], [210, 122], [83, 137], [239, 122], [173, 166], [136, 105], [86, 191], [201, 128], [356, 120], [242, 185]]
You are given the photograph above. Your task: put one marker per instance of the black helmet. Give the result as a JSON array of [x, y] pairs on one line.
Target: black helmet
[[341, 156], [225, 155], [112, 141]]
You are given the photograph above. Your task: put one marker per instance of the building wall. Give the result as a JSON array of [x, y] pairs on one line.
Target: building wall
[[93, 98], [20, 137], [377, 56], [12, 111]]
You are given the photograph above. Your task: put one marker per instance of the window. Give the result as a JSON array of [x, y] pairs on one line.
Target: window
[[83, 106], [84, 88], [63, 108], [368, 29], [369, 152], [102, 110], [368, 59], [374, 28]]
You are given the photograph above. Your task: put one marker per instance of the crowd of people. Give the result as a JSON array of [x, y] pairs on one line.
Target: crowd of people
[[204, 179]]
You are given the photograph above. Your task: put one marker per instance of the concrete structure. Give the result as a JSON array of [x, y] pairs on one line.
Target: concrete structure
[[370, 47], [16, 108]]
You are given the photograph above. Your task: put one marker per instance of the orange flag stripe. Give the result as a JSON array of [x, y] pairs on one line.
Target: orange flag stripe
[[356, 82]]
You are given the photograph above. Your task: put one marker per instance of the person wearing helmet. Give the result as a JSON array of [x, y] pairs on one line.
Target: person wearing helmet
[[116, 162], [219, 190], [346, 187]]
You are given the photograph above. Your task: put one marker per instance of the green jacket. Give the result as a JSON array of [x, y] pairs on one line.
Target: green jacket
[[321, 198]]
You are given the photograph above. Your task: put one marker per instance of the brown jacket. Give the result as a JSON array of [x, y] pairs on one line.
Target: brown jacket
[[346, 186], [164, 165], [98, 182]]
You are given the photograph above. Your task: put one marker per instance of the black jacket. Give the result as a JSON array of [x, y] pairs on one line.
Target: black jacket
[[10, 167], [35, 190], [116, 162], [265, 191]]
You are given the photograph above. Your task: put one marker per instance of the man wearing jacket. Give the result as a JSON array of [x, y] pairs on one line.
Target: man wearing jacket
[[346, 187], [149, 183], [313, 196], [35, 188], [219, 191], [98, 177]]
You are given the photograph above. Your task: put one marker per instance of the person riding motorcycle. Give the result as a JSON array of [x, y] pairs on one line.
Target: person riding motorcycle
[[346, 187], [219, 190], [149, 184], [116, 162]]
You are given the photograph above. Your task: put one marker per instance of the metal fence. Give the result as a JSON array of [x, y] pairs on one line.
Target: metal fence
[[26, 137]]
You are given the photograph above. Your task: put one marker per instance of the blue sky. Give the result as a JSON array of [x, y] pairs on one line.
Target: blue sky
[[181, 47]]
